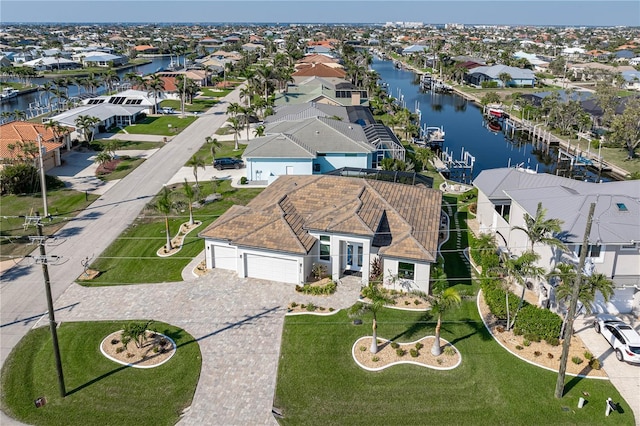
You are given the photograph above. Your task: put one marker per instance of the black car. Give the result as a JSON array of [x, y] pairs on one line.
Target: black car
[[228, 163]]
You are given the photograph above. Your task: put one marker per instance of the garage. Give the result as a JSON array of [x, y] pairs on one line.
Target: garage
[[272, 268], [224, 257]]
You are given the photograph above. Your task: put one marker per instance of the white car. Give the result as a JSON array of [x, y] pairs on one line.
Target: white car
[[623, 338]]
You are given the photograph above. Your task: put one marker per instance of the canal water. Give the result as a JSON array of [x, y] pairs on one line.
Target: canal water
[[29, 100], [464, 127]]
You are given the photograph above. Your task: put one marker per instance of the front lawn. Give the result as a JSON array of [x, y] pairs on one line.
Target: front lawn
[[225, 150], [165, 125], [99, 391], [124, 165], [63, 205], [132, 258], [198, 105], [98, 145], [319, 382]]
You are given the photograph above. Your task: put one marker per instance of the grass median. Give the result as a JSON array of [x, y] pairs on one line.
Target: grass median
[[99, 391]]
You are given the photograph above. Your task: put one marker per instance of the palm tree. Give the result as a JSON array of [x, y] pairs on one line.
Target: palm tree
[[164, 205], [377, 300], [442, 302], [258, 131], [195, 162], [86, 124], [539, 229], [103, 157], [190, 194], [156, 86], [519, 269], [214, 146], [110, 78], [236, 126]]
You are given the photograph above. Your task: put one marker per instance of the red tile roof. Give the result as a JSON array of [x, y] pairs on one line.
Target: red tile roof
[[22, 131]]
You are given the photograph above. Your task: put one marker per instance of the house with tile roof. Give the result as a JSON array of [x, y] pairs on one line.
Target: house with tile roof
[[321, 90], [16, 135], [318, 70], [507, 195], [299, 221]]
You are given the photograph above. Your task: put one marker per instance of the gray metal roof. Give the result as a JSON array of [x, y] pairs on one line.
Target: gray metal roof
[[617, 215], [495, 71], [353, 114]]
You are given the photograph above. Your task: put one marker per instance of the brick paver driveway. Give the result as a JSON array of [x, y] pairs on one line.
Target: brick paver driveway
[[237, 322]]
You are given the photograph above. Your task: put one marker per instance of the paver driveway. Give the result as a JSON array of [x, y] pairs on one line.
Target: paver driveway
[[237, 322]]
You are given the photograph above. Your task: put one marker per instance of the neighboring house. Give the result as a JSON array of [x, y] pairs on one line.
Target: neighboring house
[[415, 48], [319, 59], [339, 222], [332, 91], [121, 110], [13, 134], [49, 63], [356, 114], [519, 77], [631, 80], [318, 70], [304, 147], [99, 59], [146, 49], [506, 195]]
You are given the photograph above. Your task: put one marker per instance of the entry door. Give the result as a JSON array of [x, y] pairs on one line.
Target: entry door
[[354, 257], [289, 170]]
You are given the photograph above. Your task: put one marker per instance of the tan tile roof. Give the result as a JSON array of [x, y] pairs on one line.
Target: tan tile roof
[[318, 70], [281, 217], [22, 131]]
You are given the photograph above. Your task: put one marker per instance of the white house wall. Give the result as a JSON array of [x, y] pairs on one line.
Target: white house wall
[[271, 168], [422, 273], [331, 162]]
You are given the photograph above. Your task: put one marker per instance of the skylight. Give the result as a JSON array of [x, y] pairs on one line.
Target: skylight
[[621, 207]]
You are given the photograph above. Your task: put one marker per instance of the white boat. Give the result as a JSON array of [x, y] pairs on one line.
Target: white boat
[[8, 93], [495, 110]]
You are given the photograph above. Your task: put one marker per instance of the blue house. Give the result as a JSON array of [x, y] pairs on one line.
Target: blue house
[[519, 77]]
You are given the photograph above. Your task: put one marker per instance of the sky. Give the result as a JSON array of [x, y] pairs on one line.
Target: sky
[[469, 12]]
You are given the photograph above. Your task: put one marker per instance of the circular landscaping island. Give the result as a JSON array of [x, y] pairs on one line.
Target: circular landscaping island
[[150, 350], [393, 353]]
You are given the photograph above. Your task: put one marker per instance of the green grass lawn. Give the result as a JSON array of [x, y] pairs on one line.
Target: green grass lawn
[[216, 93], [124, 167], [127, 145], [99, 391], [198, 105], [63, 205], [165, 125], [319, 383], [132, 259]]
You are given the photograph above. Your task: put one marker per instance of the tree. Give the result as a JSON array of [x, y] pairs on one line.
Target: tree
[[441, 302], [625, 128], [190, 194], [164, 205], [195, 162], [103, 157], [505, 78], [214, 147], [258, 131], [539, 229], [236, 126], [518, 269], [86, 124], [377, 300], [135, 331], [155, 85]]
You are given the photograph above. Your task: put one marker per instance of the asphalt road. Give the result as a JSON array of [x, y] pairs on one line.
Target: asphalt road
[[22, 290]]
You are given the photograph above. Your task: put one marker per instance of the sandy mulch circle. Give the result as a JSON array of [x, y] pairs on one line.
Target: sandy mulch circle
[[540, 353], [387, 355], [178, 240], [156, 349]]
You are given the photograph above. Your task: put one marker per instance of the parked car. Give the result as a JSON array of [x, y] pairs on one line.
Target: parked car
[[623, 338], [228, 163]]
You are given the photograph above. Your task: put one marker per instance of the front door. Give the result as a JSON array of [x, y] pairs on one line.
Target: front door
[[354, 257]]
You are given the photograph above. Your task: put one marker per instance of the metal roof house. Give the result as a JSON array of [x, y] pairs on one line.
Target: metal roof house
[[506, 195], [519, 77]]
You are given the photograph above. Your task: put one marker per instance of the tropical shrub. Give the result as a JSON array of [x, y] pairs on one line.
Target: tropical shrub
[[595, 363], [576, 360], [395, 345], [541, 322], [400, 352], [414, 353], [318, 290]]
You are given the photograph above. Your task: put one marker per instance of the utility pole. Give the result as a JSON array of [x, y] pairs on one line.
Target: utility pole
[[572, 306], [52, 319], [43, 183]]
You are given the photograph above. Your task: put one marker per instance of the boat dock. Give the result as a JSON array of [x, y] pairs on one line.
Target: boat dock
[[428, 82]]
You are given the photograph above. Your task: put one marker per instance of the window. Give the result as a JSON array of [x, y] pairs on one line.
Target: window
[[628, 247], [406, 270], [621, 207], [325, 248], [594, 251]]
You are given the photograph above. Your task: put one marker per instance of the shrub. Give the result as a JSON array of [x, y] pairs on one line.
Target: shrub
[[537, 353], [156, 349], [419, 346], [120, 350], [311, 307], [540, 322], [406, 303], [532, 337], [115, 341], [439, 360], [553, 341], [395, 345], [24, 178], [576, 360], [243, 180], [303, 306], [449, 350], [588, 355], [130, 355], [500, 329], [414, 353], [526, 342], [375, 358], [331, 309], [400, 352], [318, 290], [595, 363], [363, 348], [550, 355], [416, 302], [519, 347], [318, 270], [293, 304]]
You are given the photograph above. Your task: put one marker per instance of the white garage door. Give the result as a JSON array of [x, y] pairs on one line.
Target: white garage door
[[224, 258], [272, 268]]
